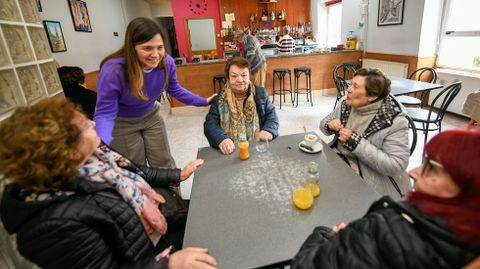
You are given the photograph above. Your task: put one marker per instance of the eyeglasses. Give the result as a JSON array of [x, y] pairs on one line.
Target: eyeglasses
[[428, 164], [90, 124]]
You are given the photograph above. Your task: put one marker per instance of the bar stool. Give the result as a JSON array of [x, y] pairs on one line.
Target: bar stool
[[297, 72], [219, 79], [280, 74]]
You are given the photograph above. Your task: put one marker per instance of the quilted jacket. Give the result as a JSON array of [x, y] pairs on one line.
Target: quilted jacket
[[94, 228], [391, 235]]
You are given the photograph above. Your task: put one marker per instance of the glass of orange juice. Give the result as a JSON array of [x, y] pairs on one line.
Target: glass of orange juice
[[302, 196], [243, 147]]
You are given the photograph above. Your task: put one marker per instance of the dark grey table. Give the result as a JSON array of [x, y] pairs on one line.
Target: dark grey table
[[242, 211], [402, 86]]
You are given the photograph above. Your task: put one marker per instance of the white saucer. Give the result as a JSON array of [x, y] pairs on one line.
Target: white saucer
[[317, 147]]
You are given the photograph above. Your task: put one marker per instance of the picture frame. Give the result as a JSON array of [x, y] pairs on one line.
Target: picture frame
[[80, 17], [390, 12], [55, 36], [39, 6]]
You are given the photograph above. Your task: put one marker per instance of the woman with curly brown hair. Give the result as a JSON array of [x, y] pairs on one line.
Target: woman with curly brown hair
[[74, 203]]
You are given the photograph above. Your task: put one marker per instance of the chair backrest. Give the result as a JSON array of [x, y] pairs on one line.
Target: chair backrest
[[411, 125], [426, 74], [447, 95], [342, 86], [341, 73], [345, 70]]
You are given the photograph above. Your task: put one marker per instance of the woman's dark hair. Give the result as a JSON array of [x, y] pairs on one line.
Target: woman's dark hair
[[237, 61], [376, 82], [139, 31], [71, 75]]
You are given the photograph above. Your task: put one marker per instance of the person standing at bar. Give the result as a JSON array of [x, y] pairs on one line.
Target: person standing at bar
[[131, 80], [250, 49], [286, 44]]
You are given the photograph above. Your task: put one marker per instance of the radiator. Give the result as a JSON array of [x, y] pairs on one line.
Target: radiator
[[395, 69]]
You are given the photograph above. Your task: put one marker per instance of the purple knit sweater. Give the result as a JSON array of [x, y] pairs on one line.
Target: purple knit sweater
[[114, 97]]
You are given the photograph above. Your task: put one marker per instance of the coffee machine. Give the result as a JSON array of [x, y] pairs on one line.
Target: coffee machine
[[269, 36]]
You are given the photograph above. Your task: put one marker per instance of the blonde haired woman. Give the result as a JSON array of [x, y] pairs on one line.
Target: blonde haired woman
[[131, 80]]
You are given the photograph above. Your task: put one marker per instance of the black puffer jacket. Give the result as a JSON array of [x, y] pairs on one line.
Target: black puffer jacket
[[390, 235], [94, 228]]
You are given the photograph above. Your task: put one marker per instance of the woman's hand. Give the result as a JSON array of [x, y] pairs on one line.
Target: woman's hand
[[227, 146], [188, 170], [337, 227], [344, 134], [209, 99], [335, 125], [264, 135], [196, 258]]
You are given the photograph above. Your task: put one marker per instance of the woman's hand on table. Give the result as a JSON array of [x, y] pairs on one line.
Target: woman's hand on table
[[196, 258], [210, 98], [227, 146], [264, 135], [188, 170], [344, 134], [335, 125], [337, 227]]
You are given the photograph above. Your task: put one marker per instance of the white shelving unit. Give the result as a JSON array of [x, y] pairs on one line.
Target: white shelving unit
[[27, 70]]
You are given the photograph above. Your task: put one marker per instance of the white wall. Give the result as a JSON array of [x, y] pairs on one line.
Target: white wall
[[431, 21], [401, 39], [85, 49], [351, 16], [135, 8], [163, 9]]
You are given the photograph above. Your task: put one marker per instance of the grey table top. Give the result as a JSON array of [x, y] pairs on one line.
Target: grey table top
[[401, 86], [242, 211]]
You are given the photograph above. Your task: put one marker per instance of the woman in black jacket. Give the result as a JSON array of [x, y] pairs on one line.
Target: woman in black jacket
[[74, 203], [74, 88], [437, 227]]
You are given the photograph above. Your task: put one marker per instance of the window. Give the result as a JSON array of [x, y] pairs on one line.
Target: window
[[460, 37], [334, 24]]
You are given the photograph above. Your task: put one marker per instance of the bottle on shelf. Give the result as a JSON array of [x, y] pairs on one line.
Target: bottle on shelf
[[351, 42]]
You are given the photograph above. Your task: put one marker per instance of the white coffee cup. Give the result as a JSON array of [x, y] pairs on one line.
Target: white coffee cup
[[310, 139]]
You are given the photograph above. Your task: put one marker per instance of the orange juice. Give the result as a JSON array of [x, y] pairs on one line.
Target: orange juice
[[313, 188], [243, 147], [302, 198]]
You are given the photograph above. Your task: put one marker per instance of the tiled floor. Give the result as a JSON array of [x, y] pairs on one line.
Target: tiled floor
[[185, 128]]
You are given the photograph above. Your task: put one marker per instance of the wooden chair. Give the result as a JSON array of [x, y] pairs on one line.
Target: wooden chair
[[426, 74], [430, 120]]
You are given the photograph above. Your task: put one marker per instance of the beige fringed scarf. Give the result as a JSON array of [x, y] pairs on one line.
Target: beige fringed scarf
[[240, 124]]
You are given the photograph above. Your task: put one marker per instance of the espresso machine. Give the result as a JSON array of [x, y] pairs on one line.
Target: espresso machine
[[269, 36]]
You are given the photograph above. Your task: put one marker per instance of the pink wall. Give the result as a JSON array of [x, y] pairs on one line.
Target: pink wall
[[181, 10]]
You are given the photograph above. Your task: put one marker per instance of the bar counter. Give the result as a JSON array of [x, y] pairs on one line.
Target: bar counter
[[198, 77]]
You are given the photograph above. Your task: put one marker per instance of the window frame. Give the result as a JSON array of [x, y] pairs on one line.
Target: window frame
[[444, 33]]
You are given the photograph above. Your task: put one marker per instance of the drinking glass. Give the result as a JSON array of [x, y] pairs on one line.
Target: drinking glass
[[243, 148], [261, 145]]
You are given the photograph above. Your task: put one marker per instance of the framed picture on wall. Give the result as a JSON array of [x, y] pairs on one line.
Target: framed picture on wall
[[79, 11], [55, 36], [390, 12], [39, 6]]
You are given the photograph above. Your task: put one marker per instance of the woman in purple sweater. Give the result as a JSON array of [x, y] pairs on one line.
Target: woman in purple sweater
[[131, 80]]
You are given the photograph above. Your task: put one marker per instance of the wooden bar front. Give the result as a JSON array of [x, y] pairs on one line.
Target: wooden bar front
[[197, 78]]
